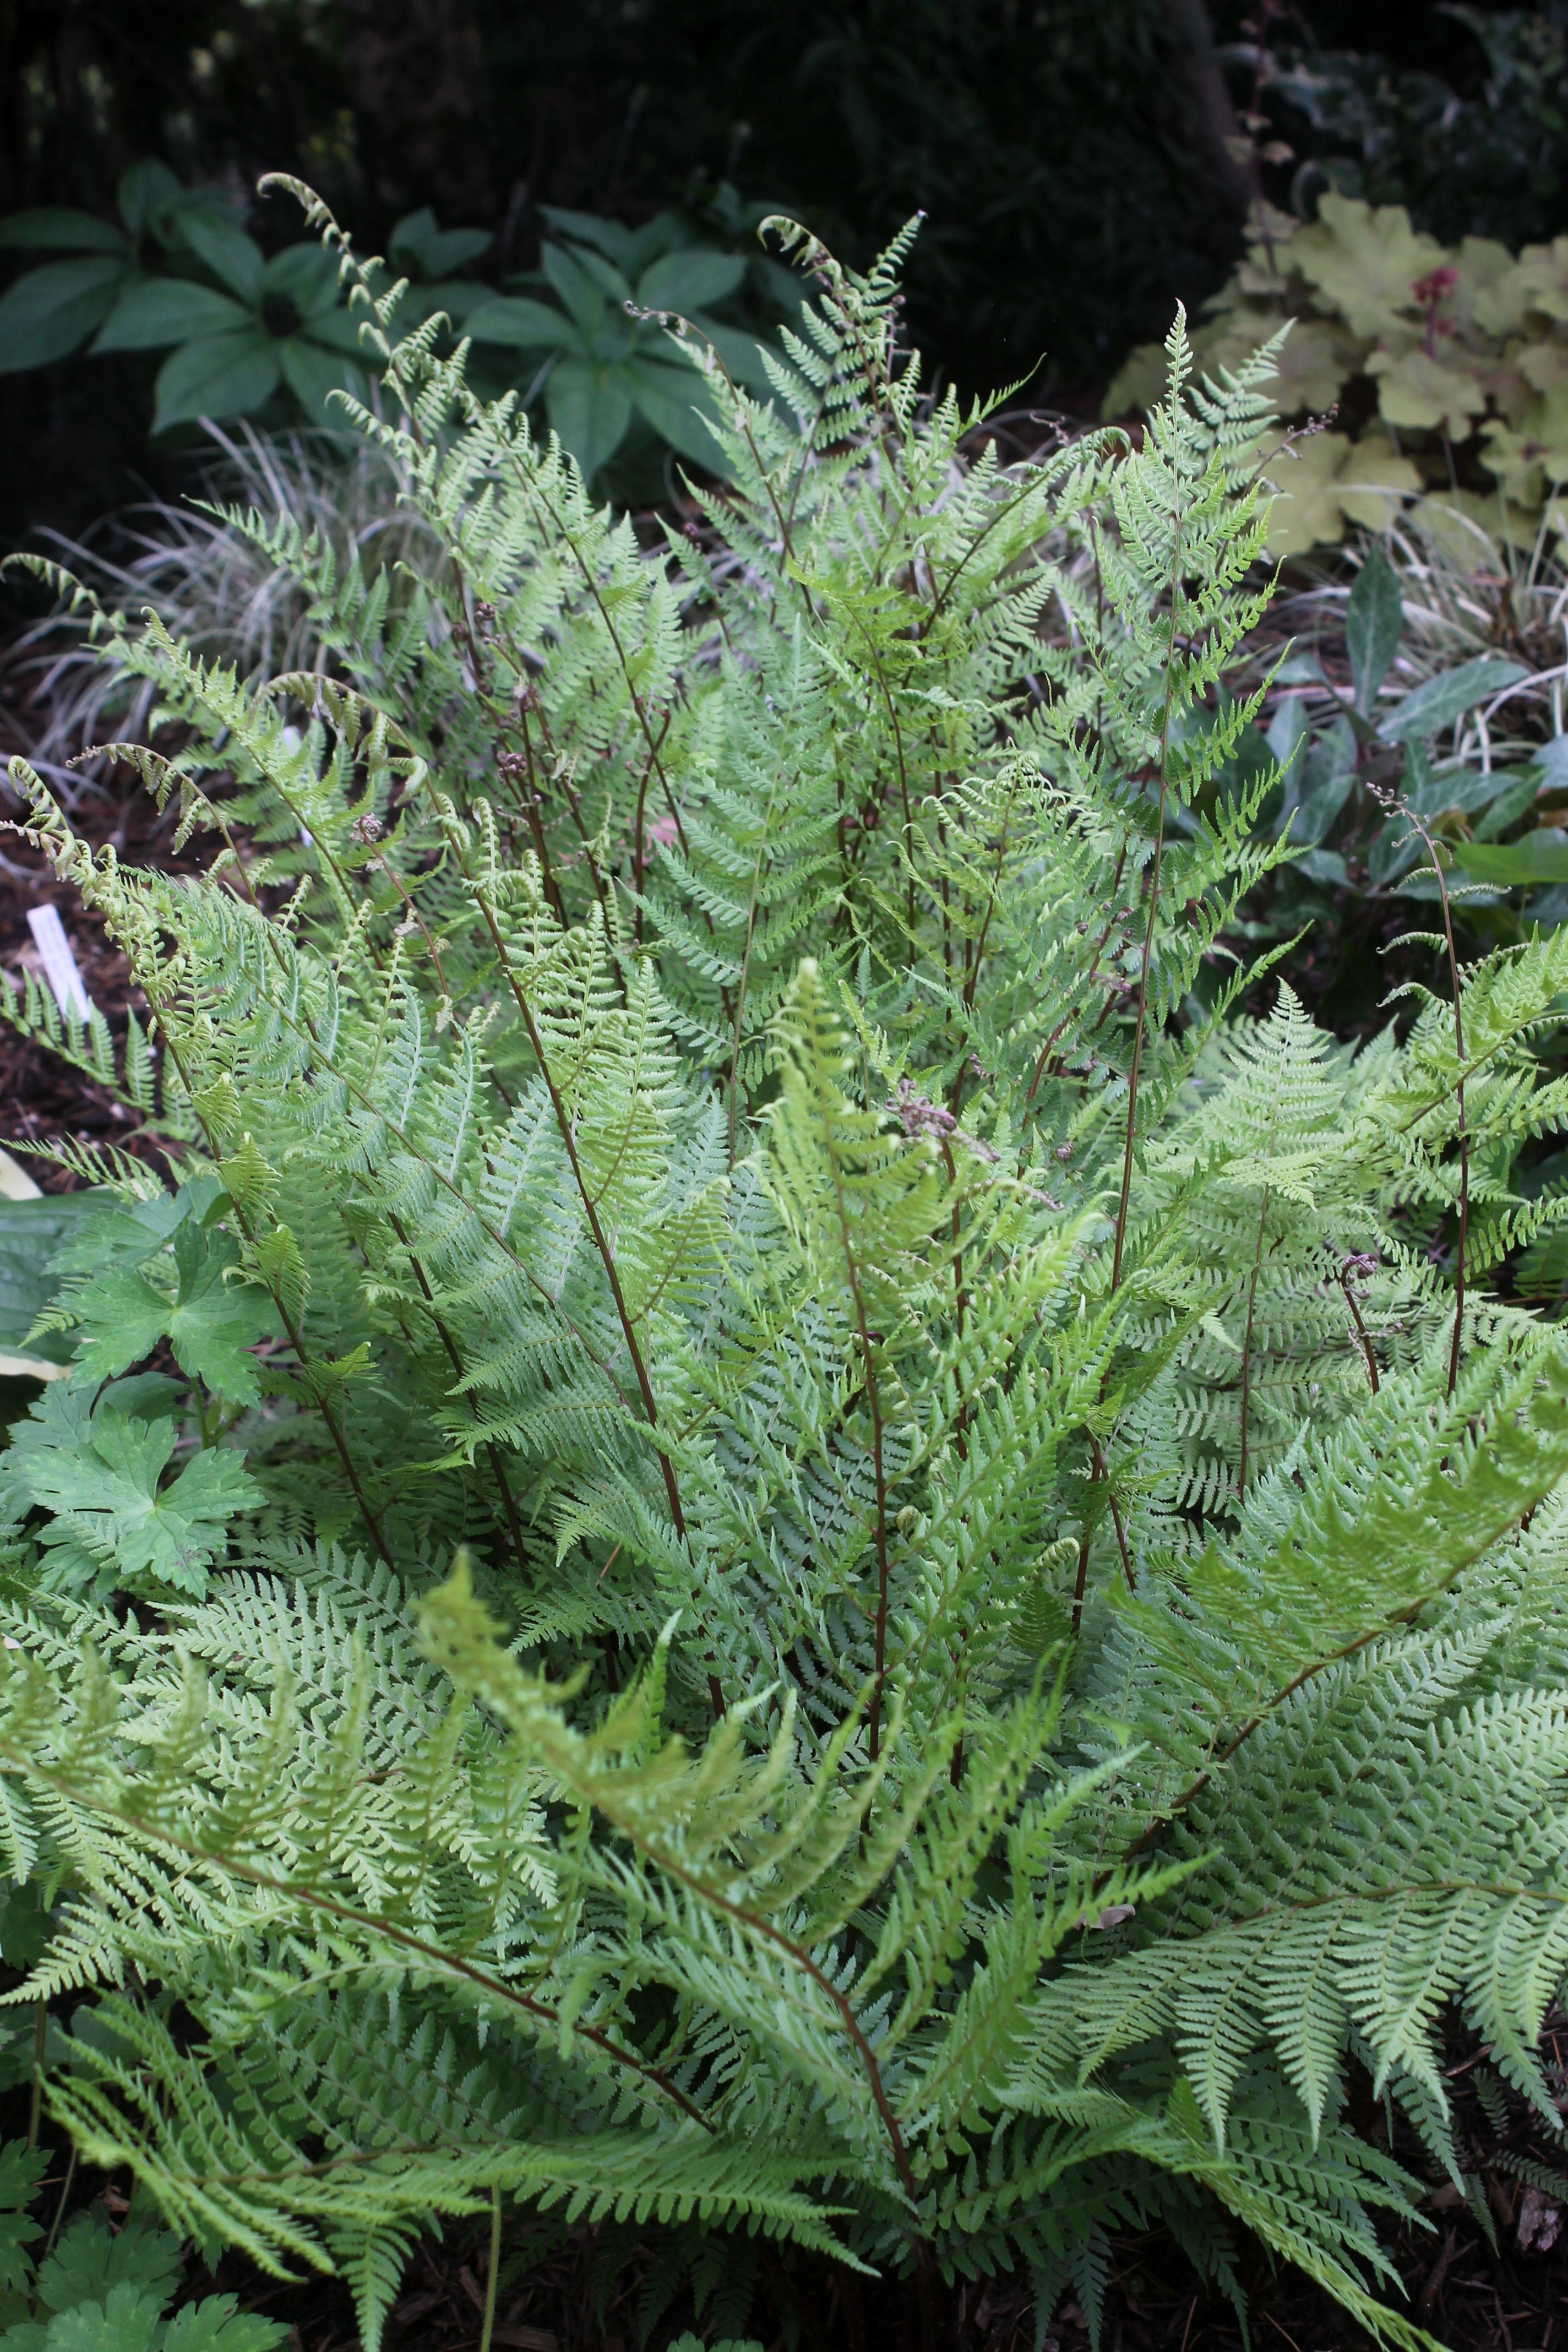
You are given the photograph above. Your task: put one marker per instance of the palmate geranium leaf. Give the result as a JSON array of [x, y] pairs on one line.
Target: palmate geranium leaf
[[105, 2291], [216, 2325], [91, 2258], [21, 2170], [103, 1497], [58, 1420], [211, 1321], [127, 2319], [114, 1232]]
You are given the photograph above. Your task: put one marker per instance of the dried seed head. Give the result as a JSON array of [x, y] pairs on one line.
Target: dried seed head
[[917, 1114]]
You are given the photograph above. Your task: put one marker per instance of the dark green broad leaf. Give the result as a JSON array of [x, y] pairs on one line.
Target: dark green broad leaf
[[1326, 777], [103, 1492], [339, 330], [590, 406], [630, 248], [52, 310], [234, 260], [59, 229], [1535, 859], [676, 402], [1324, 866], [1551, 760], [306, 276], [30, 1234], [1395, 848], [587, 283], [522, 325], [741, 354], [1461, 791], [217, 375], [144, 191], [458, 297], [153, 312], [313, 373], [419, 247], [1520, 787], [1374, 619], [1289, 739], [91, 2258], [1432, 707], [689, 281], [27, 1927], [1316, 809]]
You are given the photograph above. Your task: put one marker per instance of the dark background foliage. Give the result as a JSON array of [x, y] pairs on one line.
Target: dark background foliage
[[1065, 155], [1072, 160]]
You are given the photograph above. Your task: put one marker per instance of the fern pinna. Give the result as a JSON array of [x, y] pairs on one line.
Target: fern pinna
[[804, 1561]]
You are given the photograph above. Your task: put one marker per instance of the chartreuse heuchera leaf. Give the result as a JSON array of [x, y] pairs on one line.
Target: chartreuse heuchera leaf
[[1464, 346], [900, 1568]]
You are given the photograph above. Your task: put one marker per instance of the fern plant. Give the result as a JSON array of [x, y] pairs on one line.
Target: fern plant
[[777, 1535]]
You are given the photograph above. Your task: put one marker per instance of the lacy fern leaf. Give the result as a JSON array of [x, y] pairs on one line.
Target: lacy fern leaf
[[820, 1552]]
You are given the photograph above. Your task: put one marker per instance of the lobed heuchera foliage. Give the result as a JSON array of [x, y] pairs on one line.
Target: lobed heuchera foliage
[[818, 1552]]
